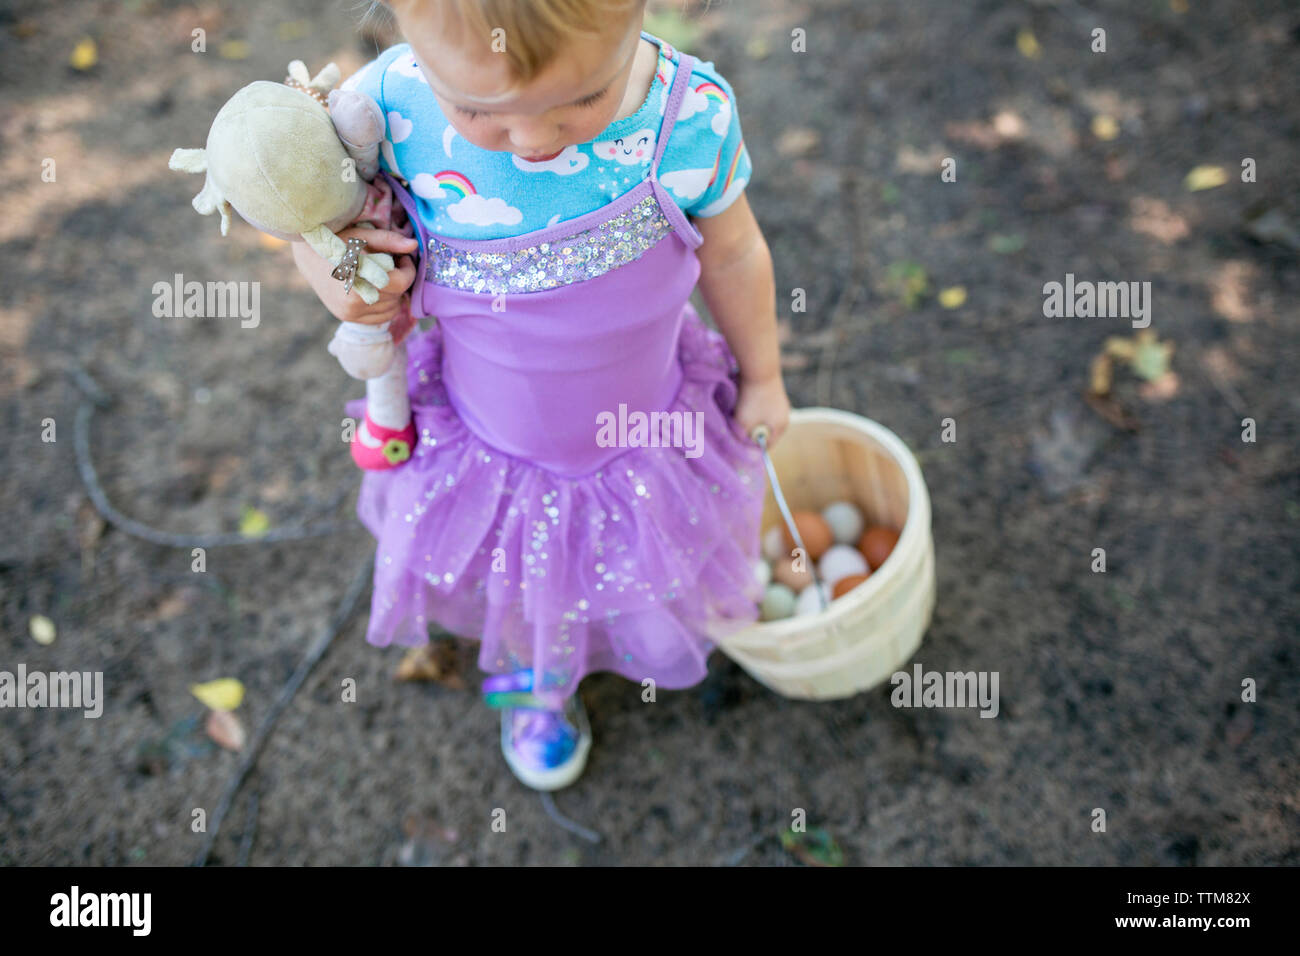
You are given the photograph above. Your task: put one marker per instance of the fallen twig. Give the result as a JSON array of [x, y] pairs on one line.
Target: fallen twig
[[591, 836], [81, 445], [254, 748]]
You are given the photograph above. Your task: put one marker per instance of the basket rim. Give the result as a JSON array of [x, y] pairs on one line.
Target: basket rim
[[915, 526]]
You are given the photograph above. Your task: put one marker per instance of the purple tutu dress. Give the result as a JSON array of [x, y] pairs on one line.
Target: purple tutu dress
[[516, 521]]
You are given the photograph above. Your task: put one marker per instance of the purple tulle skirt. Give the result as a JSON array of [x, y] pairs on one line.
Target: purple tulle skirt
[[634, 568]]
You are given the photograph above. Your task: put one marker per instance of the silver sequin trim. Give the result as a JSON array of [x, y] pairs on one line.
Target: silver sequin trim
[[548, 265]]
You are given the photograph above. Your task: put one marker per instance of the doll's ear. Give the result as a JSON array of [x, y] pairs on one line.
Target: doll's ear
[[189, 160], [298, 73], [210, 200], [327, 78]]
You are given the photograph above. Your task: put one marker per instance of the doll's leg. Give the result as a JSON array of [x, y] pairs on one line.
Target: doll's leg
[[387, 401], [386, 437]]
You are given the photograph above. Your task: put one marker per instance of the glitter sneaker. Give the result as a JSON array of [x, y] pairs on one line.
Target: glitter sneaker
[[544, 739]]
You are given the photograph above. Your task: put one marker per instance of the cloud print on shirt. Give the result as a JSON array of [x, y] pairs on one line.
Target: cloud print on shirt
[[692, 102], [386, 147], [399, 127], [406, 66], [688, 183], [571, 160], [633, 150], [722, 119], [696, 102], [723, 201]]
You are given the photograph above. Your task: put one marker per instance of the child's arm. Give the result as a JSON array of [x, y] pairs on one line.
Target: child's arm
[[738, 285]]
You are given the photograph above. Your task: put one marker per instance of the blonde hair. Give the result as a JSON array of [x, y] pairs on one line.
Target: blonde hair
[[537, 31]]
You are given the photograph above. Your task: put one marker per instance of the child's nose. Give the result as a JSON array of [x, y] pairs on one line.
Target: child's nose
[[532, 137]]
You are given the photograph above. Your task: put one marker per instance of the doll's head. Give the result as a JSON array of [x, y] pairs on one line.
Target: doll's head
[[528, 77], [274, 154]]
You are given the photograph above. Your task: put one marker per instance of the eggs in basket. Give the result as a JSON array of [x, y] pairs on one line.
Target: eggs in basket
[[845, 549]]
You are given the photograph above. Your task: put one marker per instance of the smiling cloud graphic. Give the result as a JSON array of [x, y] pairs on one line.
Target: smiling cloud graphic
[[633, 150]]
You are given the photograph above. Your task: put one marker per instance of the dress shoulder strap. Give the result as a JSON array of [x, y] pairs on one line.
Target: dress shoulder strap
[[681, 83]]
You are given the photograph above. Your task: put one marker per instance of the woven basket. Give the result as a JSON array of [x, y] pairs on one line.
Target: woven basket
[[866, 635]]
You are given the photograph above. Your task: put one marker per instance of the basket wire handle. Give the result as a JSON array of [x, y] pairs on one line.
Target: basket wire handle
[[760, 435]]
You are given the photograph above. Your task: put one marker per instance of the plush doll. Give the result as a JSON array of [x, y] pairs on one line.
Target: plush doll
[[295, 159]]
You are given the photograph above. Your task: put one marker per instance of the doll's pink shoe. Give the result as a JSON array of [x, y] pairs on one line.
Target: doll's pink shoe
[[376, 448]]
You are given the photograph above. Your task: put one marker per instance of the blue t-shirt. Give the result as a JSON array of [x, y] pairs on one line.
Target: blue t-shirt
[[465, 192]]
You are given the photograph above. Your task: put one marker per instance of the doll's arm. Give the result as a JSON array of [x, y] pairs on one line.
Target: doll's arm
[[372, 268], [360, 124]]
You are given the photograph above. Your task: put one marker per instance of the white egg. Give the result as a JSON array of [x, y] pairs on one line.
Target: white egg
[[763, 572], [839, 561], [846, 521], [778, 602], [808, 603], [774, 544]]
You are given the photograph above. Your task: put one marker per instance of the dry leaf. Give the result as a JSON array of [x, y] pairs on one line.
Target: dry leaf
[[41, 629], [1009, 125], [1099, 376], [1121, 348], [225, 728], [435, 661], [293, 30], [1230, 291], [254, 523], [1205, 177], [225, 693], [1153, 217], [798, 141], [953, 297], [1151, 356], [84, 55], [912, 160], [172, 606], [234, 50], [90, 526], [1104, 127], [1027, 44], [1111, 411], [1161, 389]]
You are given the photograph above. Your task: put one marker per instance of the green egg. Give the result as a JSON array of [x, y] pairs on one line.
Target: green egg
[[778, 602]]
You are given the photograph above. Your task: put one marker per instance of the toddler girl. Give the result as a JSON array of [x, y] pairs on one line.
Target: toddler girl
[[582, 494]]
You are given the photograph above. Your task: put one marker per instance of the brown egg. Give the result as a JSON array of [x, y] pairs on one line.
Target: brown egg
[[845, 585], [814, 530], [876, 544], [783, 571]]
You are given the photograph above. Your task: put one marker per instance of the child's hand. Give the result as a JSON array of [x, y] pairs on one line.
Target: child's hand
[[350, 308], [763, 402]]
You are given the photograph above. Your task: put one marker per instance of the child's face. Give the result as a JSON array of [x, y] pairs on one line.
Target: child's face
[[569, 102]]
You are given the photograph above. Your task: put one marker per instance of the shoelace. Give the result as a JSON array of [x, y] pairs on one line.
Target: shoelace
[[516, 690]]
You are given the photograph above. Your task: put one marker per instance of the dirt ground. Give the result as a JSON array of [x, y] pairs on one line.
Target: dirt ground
[[1119, 690]]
